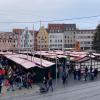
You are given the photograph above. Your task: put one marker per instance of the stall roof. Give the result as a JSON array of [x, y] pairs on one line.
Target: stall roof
[[25, 63], [38, 61]]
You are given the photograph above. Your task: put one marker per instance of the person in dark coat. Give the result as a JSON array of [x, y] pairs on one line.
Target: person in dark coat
[[86, 73], [64, 77], [0, 84], [75, 72], [95, 72], [91, 69], [79, 74], [50, 84]]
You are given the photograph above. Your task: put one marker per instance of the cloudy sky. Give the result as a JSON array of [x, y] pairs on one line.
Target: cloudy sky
[[46, 10]]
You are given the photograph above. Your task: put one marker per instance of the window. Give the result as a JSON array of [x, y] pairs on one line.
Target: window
[[50, 40], [4, 36], [81, 42]]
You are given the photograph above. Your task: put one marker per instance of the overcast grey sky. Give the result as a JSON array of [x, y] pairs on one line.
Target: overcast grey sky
[[34, 10]]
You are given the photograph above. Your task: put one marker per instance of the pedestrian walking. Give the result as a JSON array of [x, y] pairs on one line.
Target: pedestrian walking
[[0, 84], [7, 84], [64, 77], [45, 82], [18, 81], [50, 84], [75, 73], [91, 69], [86, 73], [11, 81], [79, 74], [29, 83], [95, 72]]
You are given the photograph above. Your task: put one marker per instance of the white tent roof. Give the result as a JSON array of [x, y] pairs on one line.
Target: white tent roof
[[25, 63]]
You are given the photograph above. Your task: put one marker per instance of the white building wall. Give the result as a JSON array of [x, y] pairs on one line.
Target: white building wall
[[69, 39], [56, 41], [85, 38]]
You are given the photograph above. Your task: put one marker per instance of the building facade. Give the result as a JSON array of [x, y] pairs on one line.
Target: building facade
[[42, 39], [55, 36], [35, 40], [69, 35], [17, 33], [61, 36], [85, 38], [7, 41], [24, 39]]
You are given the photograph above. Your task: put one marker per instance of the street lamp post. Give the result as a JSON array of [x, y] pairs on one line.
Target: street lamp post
[[56, 70], [40, 46], [33, 43]]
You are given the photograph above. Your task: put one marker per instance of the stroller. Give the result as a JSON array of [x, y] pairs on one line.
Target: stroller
[[43, 89]]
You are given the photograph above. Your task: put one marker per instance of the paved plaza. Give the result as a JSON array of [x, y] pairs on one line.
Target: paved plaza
[[73, 90]]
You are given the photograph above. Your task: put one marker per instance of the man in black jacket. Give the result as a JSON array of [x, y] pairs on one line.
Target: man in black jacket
[[50, 84], [0, 84]]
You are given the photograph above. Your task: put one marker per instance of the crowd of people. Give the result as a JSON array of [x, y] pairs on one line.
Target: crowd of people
[[66, 74], [16, 78], [90, 73], [79, 74]]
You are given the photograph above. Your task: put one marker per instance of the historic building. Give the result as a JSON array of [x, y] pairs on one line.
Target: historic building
[[25, 39], [69, 35], [42, 39], [61, 36], [55, 37], [7, 41], [17, 33], [85, 38]]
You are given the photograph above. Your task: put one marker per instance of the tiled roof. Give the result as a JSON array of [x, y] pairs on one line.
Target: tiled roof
[[61, 27]]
